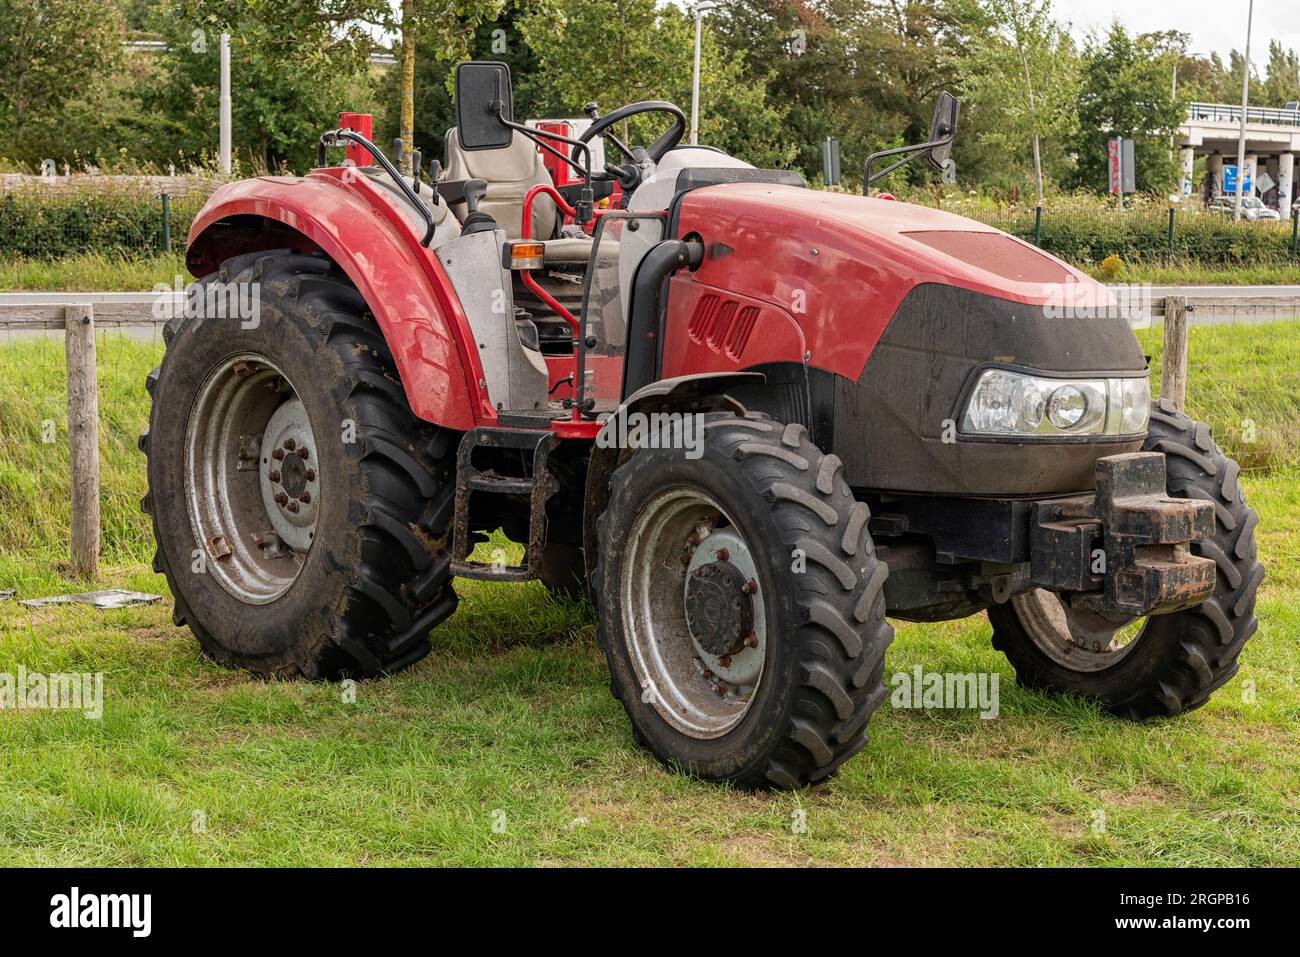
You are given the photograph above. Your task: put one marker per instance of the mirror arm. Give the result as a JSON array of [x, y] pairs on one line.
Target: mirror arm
[[584, 206], [913, 152], [335, 138]]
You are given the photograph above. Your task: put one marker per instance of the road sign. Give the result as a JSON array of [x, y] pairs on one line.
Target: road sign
[[831, 161], [1230, 181], [1121, 166]]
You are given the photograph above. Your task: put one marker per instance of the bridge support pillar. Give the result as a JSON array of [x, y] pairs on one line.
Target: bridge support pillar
[[1285, 178], [1215, 165], [1188, 157]]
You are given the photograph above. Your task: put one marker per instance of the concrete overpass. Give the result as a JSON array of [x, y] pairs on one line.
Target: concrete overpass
[[1272, 142]]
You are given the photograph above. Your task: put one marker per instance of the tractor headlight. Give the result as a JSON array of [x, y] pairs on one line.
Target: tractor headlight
[[1005, 402]]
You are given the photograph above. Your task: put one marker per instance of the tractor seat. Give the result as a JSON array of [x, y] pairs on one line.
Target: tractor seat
[[510, 172]]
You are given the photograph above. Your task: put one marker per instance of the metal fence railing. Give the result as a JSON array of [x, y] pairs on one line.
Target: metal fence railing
[[1227, 113]]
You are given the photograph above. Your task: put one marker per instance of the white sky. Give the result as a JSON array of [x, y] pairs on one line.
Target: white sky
[[1216, 26]]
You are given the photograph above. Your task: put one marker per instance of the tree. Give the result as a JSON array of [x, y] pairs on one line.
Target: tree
[[1283, 83], [620, 51], [43, 45], [1025, 73], [1126, 92], [447, 27], [294, 65], [433, 107]]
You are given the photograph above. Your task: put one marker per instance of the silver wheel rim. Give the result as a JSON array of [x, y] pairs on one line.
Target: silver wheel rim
[[252, 483], [702, 695], [1076, 638]]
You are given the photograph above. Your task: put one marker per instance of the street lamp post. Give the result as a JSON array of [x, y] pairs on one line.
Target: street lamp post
[[1245, 104], [700, 10], [223, 142]]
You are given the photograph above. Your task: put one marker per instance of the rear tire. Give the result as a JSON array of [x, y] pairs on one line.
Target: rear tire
[[819, 604], [1178, 660], [375, 576]]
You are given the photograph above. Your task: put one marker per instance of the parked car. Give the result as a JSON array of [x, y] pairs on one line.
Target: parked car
[[1252, 208]]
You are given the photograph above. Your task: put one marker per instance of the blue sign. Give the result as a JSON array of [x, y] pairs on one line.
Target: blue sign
[[1230, 181]]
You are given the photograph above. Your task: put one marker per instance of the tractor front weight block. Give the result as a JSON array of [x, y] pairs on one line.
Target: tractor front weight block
[[1125, 549]]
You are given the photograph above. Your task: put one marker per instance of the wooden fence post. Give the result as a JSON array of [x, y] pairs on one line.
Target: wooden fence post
[[1173, 361], [83, 438]]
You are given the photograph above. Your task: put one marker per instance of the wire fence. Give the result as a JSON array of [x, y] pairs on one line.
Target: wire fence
[[1191, 233], [1243, 379], [1243, 375], [49, 218], [36, 449]]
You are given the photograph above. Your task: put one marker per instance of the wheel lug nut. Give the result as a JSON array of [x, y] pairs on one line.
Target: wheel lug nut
[[304, 452], [290, 445], [749, 587], [273, 475], [281, 498], [751, 641], [278, 454], [725, 661], [305, 498], [723, 554], [293, 506], [693, 539], [310, 475]]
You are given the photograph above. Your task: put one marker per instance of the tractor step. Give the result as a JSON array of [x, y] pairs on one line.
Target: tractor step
[[539, 485]]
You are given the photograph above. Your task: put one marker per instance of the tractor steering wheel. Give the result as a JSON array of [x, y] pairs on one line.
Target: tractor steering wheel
[[601, 126]]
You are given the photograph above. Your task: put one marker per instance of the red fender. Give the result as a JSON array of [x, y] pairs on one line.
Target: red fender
[[354, 222]]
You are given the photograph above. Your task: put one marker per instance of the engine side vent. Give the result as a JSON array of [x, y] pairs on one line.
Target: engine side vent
[[702, 317], [740, 332], [717, 333]]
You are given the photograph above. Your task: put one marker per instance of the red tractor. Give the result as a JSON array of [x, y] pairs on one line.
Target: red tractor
[[752, 421]]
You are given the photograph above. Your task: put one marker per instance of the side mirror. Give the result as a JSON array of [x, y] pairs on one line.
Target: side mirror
[[483, 100], [943, 129]]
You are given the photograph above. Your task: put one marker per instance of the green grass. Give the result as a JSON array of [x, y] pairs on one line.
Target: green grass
[[92, 272], [1244, 380], [512, 713], [1191, 273]]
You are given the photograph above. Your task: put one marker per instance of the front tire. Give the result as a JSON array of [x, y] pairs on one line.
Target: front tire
[[742, 607], [299, 507], [1176, 661]]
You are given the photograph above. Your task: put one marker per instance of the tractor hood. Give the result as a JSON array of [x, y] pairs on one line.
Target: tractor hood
[[842, 264]]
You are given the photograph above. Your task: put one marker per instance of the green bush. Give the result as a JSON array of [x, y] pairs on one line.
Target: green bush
[[40, 223]]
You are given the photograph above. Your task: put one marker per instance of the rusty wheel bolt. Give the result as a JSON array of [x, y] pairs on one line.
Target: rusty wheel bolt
[[305, 498], [751, 641], [273, 475], [725, 661], [723, 554], [290, 445], [278, 454], [293, 506], [304, 452], [309, 475], [749, 587], [281, 498], [693, 539]]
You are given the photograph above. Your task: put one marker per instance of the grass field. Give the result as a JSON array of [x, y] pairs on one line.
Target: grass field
[[95, 272], [505, 746]]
